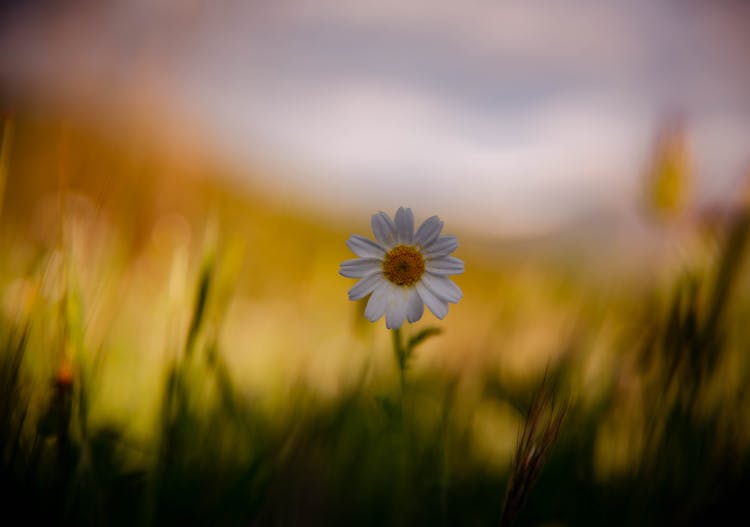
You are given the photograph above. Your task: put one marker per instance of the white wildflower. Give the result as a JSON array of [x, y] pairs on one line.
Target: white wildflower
[[403, 270]]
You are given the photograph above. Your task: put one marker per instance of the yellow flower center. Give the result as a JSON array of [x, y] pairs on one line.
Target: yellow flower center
[[403, 265]]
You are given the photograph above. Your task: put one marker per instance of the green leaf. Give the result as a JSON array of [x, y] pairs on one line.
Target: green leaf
[[420, 337]]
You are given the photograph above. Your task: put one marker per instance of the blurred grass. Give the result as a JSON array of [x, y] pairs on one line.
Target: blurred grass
[[176, 350]]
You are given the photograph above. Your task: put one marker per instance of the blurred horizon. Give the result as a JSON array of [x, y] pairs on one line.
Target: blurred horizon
[[515, 120]]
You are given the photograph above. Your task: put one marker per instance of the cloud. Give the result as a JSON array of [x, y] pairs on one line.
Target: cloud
[[518, 114]]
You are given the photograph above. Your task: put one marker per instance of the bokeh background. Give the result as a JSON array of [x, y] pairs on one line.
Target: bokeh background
[[178, 179]]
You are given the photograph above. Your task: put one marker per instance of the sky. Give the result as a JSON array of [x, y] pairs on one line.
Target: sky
[[508, 118]]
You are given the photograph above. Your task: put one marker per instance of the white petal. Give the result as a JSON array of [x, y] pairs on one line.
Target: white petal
[[415, 307], [445, 265], [405, 225], [365, 248], [442, 287], [438, 307], [428, 231], [443, 246], [365, 286], [384, 229], [396, 308], [376, 305], [359, 267]]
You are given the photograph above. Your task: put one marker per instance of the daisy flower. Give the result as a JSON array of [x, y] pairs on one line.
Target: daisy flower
[[403, 270]]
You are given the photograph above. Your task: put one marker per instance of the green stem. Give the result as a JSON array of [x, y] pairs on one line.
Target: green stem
[[400, 354]]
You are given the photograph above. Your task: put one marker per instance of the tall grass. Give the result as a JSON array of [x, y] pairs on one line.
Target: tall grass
[[636, 417]]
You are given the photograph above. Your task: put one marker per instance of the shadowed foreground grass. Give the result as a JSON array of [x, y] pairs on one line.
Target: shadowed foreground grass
[[646, 424]]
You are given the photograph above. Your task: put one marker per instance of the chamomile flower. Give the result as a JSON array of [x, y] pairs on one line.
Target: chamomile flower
[[403, 270]]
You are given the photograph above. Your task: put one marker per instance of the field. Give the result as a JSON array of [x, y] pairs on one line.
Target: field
[[178, 348]]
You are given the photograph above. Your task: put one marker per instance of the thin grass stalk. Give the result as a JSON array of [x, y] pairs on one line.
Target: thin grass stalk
[[540, 431]]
